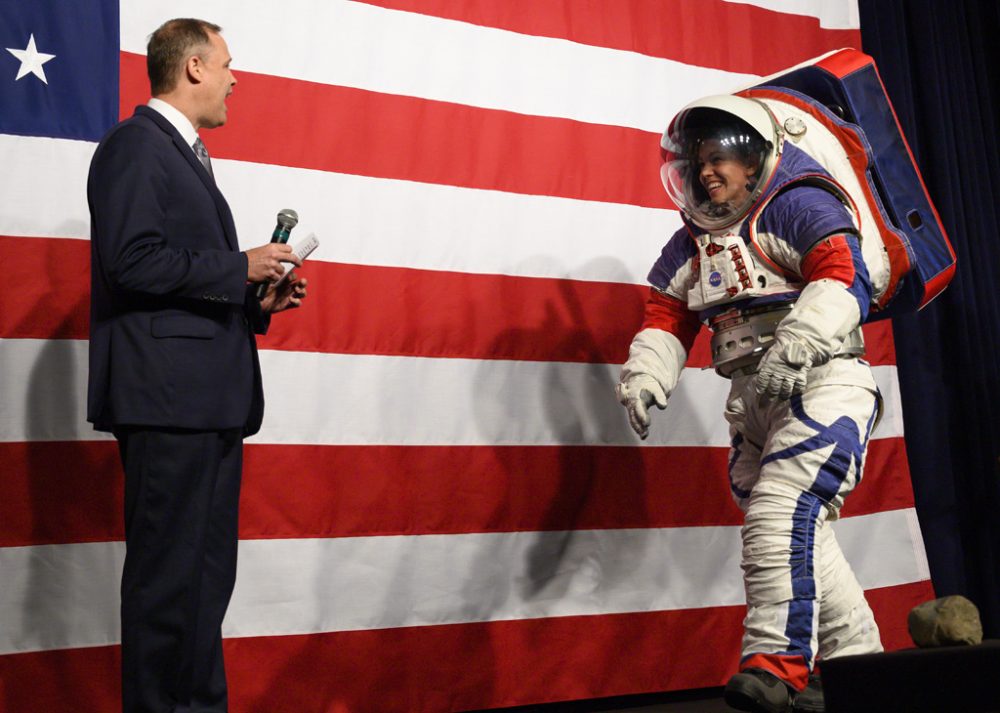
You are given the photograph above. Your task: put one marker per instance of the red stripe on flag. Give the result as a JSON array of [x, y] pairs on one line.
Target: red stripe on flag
[[406, 490], [880, 346], [56, 492], [444, 668], [886, 480], [63, 492], [638, 26], [892, 605], [423, 140], [79, 680], [48, 295], [359, 309], [474, 666]]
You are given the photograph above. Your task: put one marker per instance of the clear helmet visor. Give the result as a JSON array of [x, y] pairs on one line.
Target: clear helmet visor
[[715, 166]]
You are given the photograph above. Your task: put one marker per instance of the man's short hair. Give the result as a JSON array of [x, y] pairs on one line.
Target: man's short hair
[[170, 46]]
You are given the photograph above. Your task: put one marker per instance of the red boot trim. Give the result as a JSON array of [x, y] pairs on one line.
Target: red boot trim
[[789, 668]]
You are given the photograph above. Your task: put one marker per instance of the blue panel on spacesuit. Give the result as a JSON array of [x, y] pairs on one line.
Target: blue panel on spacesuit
[[674, 255], [806, 215]]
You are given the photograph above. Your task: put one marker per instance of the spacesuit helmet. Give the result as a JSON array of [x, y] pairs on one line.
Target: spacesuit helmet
[[718, 156]]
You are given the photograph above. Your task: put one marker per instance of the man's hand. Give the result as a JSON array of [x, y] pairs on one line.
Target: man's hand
[[264, 263], [783, 370], [637, 394], [286, 295]]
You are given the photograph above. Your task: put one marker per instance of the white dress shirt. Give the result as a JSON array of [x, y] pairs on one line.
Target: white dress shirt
[[176, 119]]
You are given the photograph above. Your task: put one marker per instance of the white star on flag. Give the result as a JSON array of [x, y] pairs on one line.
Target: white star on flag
[[31, 60]]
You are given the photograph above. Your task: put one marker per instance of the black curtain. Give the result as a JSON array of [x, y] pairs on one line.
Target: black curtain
[[940, 63]]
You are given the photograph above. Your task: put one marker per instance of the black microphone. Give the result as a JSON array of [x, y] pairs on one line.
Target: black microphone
[[287, 219]]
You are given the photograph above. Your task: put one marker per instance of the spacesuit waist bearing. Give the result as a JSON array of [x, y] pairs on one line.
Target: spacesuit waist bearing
[[740, 338]]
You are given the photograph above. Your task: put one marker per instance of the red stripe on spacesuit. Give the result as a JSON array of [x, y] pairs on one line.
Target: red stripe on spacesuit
[[934, 286], [671, 315], [842, 63], [790, 669], [831, 260]]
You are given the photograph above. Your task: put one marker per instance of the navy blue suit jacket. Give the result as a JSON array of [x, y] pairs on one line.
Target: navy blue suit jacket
[[172, 319]]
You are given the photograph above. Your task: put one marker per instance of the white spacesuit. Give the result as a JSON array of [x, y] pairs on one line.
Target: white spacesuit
[[770, 259]]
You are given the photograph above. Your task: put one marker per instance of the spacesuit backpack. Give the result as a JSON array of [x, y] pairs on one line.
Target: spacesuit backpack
[[835, 109]]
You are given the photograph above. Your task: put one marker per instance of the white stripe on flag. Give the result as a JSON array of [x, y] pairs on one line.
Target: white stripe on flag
[[337, 399], [49, 197], [321, 585], [357, 45], [60, 596], [371, 221]]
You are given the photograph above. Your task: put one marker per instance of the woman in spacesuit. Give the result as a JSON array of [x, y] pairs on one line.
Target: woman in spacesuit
[[769, 258]]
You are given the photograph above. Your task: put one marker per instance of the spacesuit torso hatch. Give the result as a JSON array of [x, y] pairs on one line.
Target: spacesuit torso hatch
[[743, 279]]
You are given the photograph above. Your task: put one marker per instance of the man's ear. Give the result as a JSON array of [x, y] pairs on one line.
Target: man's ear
[[194, 68]]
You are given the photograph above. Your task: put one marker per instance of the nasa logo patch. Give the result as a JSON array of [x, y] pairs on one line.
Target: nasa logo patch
[[715, 279]]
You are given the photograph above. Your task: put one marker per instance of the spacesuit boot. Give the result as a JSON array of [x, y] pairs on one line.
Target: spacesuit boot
[[758, 691], [810, 699]]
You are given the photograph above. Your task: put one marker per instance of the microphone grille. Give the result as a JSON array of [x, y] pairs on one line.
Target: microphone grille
[[288, 218]]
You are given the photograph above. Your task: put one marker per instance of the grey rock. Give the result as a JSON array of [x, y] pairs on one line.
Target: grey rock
[[948, 621]]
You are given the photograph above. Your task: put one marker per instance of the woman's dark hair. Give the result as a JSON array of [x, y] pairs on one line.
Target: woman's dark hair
[[736, 135]]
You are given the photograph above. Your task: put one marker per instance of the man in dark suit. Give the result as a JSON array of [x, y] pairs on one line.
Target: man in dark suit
[[174, 372]]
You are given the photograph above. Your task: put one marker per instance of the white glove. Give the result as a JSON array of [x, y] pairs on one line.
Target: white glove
[[637, 394], [783, 370], [823, 316], [655, 362]]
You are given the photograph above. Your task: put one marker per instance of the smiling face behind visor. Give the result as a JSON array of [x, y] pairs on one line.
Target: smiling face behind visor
[[716, 163]]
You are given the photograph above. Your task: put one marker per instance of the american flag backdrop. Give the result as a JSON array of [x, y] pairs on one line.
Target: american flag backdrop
[[445, 509]]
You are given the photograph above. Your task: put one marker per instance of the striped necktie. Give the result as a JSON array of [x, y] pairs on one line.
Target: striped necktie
[[202, 153]]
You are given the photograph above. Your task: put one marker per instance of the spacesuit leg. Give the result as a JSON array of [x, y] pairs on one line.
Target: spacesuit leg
[[846, 623], [744, 440], [812, 459]]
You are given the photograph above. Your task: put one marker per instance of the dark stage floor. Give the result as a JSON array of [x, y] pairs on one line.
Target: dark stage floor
[[706, 700]]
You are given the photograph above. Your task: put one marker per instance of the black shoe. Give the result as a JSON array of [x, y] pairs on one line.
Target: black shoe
[[758, 691], [810, 699]]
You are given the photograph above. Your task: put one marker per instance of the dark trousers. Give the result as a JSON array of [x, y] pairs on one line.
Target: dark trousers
[[181, 529]]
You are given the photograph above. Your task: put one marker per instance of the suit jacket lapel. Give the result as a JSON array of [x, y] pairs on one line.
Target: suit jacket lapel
[[225, 215]]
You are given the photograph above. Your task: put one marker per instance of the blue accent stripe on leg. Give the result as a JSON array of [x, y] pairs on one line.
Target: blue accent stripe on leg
[[734, 456], [869, 427], [849, 448], [799, 627]]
